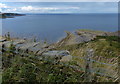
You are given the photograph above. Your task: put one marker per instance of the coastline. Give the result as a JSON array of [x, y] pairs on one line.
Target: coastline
[[68, 52], [77, 37], [10, 15]]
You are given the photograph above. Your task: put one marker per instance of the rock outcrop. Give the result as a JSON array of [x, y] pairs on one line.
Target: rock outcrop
[[49, 51], [81, 36], [61, 55], [38, 48]]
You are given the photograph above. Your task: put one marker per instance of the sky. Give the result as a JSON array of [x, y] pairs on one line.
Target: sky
[[59, 7], [60, 0]]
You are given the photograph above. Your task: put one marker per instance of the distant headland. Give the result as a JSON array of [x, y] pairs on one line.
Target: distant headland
[[10, 15]]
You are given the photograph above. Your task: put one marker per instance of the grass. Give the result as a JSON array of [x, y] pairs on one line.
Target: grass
[[106, 46], [91, 31], [26, 67], [29, 69]]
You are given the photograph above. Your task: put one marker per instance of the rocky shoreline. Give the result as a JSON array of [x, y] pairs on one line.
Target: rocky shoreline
[[38, 48], [43, 49], [81, 36], [94, 51]]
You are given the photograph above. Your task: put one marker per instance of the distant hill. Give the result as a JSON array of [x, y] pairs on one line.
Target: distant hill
[[10, 15]]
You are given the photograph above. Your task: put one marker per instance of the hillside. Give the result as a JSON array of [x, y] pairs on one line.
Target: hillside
[[10, 15], [64, 61]]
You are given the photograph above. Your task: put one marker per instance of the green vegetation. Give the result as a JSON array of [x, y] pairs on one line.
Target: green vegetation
[[106, 50], [26, 67], [23, 68], [105, 46], [92, 31]]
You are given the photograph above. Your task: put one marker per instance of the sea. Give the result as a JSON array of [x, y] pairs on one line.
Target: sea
[[52, 27]]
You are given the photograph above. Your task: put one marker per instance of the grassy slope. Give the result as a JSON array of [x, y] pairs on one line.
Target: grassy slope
[[19, 68], [106, 46], [106, 49], [29, 69]]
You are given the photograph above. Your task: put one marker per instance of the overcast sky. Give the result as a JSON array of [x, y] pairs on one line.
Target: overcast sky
[[59, 7]]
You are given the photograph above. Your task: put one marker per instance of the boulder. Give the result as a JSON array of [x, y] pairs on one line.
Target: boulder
[[56, 54], [26, 45], [7, 43], [2, 40], [37, 47], [18, 41], [66, 58]]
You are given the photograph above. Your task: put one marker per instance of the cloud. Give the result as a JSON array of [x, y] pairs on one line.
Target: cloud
[[27, 8], [46, 9], [60, 0], [37, 9], [30, 8], [10, 10], [101, 7], [3, 5], [6, 8]]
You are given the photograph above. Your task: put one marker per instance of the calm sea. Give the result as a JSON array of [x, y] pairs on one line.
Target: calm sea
[[52, 26]]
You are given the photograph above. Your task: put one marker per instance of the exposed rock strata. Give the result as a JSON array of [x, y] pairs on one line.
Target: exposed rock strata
[[81, 36], [45, 50]]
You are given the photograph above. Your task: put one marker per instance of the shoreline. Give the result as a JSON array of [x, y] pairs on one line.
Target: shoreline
[[77, 37], [76, 32], [65, 34], [70, 50]]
